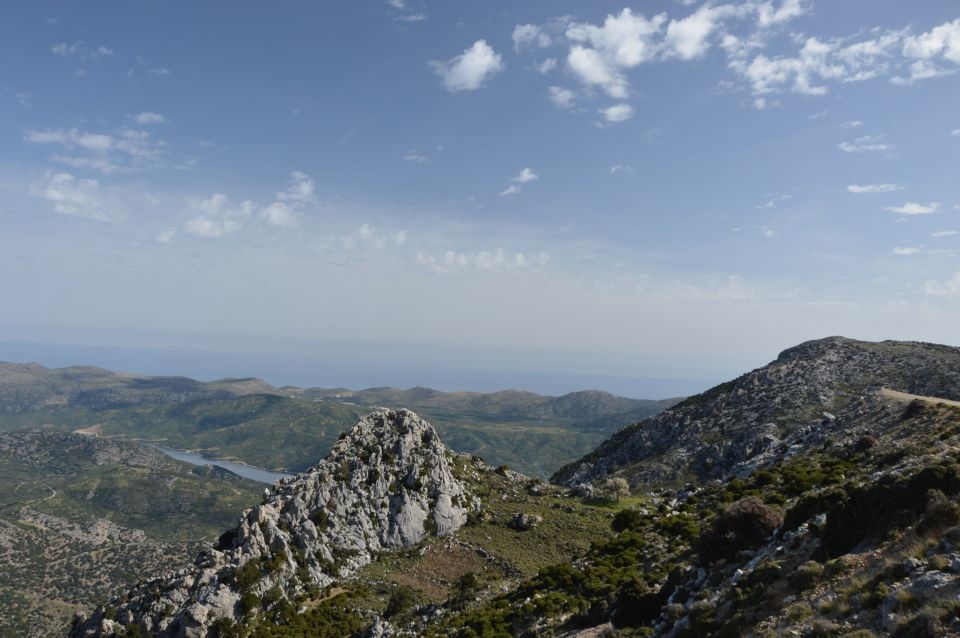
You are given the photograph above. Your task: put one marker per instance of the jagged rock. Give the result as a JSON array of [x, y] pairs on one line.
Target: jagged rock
[[387, 484]]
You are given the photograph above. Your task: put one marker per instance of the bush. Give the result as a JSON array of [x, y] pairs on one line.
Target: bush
[[402, 599], [743, 525], [613, 489], [806, 575], [626, 519], [940, 512]]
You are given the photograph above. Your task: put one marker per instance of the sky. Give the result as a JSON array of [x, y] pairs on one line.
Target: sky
[[644, 197]]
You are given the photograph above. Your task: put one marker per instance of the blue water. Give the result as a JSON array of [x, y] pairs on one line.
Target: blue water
[[246, 471]]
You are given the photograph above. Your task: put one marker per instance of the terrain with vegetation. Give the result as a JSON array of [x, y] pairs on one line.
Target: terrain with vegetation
[[80, 515], [816, 496], [231, 418]]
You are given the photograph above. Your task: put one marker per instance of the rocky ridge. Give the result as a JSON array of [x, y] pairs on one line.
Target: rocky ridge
[[386, 484], [810, 392]]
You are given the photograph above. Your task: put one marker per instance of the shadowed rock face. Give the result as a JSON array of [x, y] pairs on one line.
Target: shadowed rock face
[[820, 388], [386, 484]]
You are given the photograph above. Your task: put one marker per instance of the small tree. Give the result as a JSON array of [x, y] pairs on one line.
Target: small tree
[[613, 489]]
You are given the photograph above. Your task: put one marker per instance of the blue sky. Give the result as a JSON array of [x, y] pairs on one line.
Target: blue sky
[[549, 195]]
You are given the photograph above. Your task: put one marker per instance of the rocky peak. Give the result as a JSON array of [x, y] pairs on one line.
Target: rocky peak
[[386, 484]]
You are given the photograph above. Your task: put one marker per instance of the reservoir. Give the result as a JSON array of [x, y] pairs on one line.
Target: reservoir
[[246, 471]]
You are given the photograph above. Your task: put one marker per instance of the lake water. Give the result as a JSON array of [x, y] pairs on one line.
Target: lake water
[[246, 471]]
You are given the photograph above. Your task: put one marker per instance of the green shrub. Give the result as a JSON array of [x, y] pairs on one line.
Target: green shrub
[[402, 599], [806, 575]]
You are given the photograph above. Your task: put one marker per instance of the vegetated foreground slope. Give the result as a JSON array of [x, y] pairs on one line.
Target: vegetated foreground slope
[[80, 516], [820, 385], [851, 529], [234, 417]]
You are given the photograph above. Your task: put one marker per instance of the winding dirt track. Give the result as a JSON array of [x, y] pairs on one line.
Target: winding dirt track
[[903, 396]]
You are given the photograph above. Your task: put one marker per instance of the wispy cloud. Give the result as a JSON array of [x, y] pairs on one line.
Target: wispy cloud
[[81, 51], [617, 113], [949, 288], [874, 188], [913, 208], [945, 233], [905, 251], [471, 69], [486, 260], [415, 157], [147, 117], [525, 176], [123, 150], [865, 144], [561, 97], [73, 196]]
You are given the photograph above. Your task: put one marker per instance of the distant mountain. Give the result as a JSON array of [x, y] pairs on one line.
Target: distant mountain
[[823, 385], [290, 428], [29, 386]]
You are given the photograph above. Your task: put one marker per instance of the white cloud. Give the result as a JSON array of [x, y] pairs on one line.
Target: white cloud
[[905, 251], [874, 188], [149, 118], [483, 261], [852, 124], [689, 38], [400, 5], [956, 132], [816, 64], [563, 98], [949, 288], [217, 218], [279, 214], [125, 149], [913, 208], [93, 163], [523, 177], [413, 156], [72, 196], [945, 233], [602, 53], [547, 65], [525, 35], [619, 168], [940, 44], [526, 175], [469, 70], [769, 16], [617, 113], [166, 236], [865, 144], [81, 50], [763, 103], [300, 188]]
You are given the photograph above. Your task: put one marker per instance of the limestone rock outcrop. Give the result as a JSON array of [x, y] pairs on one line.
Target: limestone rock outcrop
[[386, 484]]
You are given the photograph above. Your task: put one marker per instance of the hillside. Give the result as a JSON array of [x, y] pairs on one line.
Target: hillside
[[819, 387], [80, 515]]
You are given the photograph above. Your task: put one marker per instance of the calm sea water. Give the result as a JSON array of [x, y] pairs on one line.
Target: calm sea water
[[246, 471]]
